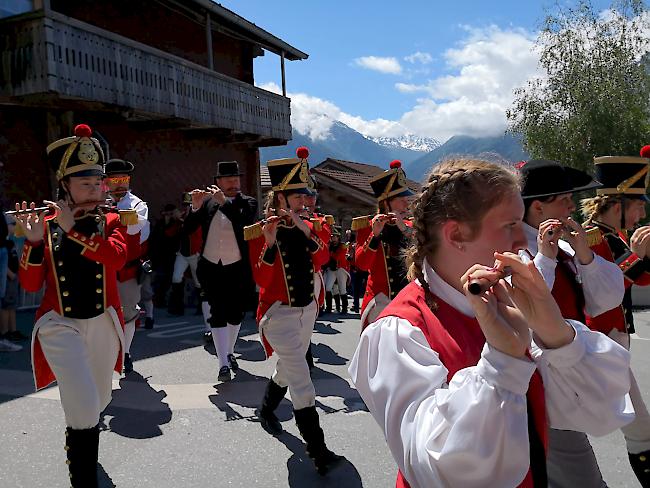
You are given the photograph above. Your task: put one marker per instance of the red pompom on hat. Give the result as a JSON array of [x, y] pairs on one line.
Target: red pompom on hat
[[520, 164], [395, 164], [302, 152], [645, 152], [83, 130]]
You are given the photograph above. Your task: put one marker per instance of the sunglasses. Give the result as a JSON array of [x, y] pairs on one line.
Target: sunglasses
[[118, 180]]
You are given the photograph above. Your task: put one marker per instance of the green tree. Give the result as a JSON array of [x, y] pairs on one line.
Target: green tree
[[593, 98]]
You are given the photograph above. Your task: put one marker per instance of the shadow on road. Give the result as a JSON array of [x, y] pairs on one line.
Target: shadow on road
[[326, 355], [151, 411], [103, 479]]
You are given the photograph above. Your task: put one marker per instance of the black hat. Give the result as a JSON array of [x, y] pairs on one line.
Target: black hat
[[118, 167], [78, 155], [391, 183], [291, 174], [546, 178], [227, 168], [622, 175]]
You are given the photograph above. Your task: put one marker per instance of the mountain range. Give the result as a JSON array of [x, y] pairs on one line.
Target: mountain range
[[417, 154]]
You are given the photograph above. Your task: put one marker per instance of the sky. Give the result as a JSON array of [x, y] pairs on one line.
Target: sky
[[433, 68]]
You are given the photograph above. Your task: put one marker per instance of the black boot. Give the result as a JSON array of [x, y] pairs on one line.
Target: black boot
[[309, 358], [344, 303], [337, 300], [273, 395], [177, 299], [82, 447], [641, 466], [328, 302], [311, 432], [128, 363]]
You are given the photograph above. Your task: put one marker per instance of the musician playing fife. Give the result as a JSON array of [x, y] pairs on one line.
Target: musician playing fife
[[78, 338], [381, 241]]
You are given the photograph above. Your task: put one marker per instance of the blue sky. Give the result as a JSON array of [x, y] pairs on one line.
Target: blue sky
[[432, 68]]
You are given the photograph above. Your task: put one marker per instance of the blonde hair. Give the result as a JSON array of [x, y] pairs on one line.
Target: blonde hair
[[457, 189], [594, 207]]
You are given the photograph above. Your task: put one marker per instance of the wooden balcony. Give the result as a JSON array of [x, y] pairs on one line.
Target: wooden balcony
[[55, 59]]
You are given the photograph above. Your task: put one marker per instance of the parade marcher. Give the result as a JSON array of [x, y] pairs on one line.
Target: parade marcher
[[118, 182], [285, 251], [78, 337], [582, 283], [464, 371], [222, 211], [381, 241], [616, 209], [337, 272]]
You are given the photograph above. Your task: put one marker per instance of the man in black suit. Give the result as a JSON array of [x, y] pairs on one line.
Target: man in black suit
[[224, 269]]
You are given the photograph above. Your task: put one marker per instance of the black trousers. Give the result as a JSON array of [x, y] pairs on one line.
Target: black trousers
[[359, 279], [223, 287]]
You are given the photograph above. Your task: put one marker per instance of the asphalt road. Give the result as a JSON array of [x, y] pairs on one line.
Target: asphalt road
[[172, 424]]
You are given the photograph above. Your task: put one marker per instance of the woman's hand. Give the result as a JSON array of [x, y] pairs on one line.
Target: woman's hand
[[270, 230], [547, 238], [300, 223], [378, 222], [639, 241], [32, 225], [64, 215], [503, 325], [576, 235]]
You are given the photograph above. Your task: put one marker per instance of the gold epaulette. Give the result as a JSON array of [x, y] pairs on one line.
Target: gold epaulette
[[128, 216], [253, 231], [594, 236], [360, 222], [318, 225], [329, 219]]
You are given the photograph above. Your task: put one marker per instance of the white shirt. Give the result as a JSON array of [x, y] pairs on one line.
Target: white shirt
[[130, 201], [602, 281], [473, 432], [221, 243]]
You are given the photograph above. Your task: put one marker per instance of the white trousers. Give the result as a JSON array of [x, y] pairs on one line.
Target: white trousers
[[340, 277], [129, 292], [82, 354], [289, 330], [180, 266]]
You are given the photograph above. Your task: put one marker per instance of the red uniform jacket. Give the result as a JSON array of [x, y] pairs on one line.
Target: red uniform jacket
[[613, 246], [458, 340], [79, 270], [339, 256], [381, 257], [285, 271]]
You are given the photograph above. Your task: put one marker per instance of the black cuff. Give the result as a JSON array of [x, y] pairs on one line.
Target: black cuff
[[36, 254], [269, 255], [374, 243]]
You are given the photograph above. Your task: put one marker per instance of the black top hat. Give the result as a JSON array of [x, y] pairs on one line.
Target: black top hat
[[227, 168], [391, 183], [118, 167], [622, 175], [78, 155], [546, 178], [291, 174]]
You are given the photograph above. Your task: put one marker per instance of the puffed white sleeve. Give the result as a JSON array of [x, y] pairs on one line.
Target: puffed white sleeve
[[470, 433], [545, 265], [586, 383], [603, 285]]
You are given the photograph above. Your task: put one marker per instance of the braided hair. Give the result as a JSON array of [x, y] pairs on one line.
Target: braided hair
[[457, 189], [592, 208]]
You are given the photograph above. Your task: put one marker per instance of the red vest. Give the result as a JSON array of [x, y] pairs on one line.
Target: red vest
[[567, 291], [459, 340]]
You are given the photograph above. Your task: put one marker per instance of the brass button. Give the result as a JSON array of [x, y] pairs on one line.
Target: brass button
[[66, 293], [311, 295], [288, 277], [286, 265], [62, 278], [66, 447], [389, 268], [307, 249], [60, 263], [55, 235], [76, 234], [67, 461], [68, 309], [291, 288], [91, 243], [99, 290], [642, 458], [284, 253], [97, 219], [98, 306], [391, 280], [293, 300], [57, 247], [311, 282], [98, 276]]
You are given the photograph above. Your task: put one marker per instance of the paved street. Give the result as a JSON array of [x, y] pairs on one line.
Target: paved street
[[170, 423]]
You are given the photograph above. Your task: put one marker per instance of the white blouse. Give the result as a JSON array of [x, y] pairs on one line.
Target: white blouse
[[473, 432]]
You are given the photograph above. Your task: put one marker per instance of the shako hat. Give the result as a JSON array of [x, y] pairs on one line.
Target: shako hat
[[291, 174], [391, 183], [227, 168], [77, 155], [624, 175], [546, 178], [118, 167]]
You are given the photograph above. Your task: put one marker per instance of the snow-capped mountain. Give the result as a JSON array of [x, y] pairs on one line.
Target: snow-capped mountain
[[407, 141]]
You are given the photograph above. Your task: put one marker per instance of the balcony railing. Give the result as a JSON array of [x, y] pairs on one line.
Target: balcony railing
[[76, 60]]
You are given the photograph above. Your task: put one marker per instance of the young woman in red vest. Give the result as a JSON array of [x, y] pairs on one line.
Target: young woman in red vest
[[582, 283], [465, 386]]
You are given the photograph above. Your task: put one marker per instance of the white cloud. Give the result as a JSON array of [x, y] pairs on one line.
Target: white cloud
[[387, 65], [419, 57], [471, 99]]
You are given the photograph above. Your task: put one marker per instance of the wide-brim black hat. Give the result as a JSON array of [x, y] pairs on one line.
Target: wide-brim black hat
[[623, 175], [118, 167], [77, 155], [227, 168], [546, 178]]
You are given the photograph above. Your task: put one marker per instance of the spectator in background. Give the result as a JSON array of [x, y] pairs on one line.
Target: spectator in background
[[165, 241], [8, 289], [357, 277]]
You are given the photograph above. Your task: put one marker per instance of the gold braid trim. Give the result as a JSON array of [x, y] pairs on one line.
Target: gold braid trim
[[360, 222], [253, 231]]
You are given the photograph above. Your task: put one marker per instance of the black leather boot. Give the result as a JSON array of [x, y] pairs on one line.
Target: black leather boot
[[344, 303], [641, 466], [337, 300], [273, 395], [82, 448], [328, 302], [310, 430], [177, 299]]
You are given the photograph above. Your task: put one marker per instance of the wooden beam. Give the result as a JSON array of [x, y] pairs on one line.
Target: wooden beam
[[208, 39], [284, 82]]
